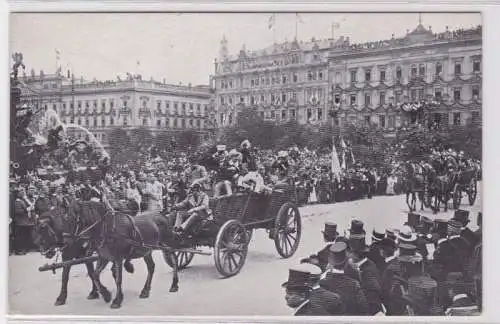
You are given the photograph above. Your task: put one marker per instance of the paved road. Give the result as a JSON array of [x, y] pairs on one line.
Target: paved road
[[256, 290]]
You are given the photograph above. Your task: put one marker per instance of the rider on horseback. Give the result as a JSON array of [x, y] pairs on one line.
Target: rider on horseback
[[197, 206]]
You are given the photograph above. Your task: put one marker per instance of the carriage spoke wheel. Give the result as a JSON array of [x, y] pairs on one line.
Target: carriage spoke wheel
[[183, 259], [457, 197], [230, 249], [472, 192], [287, 230]]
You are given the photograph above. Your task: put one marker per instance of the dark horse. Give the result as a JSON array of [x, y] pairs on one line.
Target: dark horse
[[413, 184], [48, 237], [440, 185], [122, 237]]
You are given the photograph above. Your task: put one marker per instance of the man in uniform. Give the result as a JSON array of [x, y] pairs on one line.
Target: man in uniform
[[197, 206], [24, 221], [305, 295], [335, 280], [374, 254]]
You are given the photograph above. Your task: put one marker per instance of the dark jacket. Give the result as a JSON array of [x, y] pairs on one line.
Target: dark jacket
[[349, 290], [321, 302], [369, 279]]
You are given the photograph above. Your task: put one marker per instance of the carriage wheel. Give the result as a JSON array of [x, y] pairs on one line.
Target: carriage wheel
[[230, 249], [472, 192], [457, 197], [287, 230], [183, 259], [249, 234]]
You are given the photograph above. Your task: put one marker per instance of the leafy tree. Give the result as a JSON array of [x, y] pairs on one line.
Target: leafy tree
[[118, 139], [141, 137]]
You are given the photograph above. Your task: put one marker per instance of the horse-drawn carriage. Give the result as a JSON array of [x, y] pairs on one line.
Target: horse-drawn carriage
[[466, 181], [231, 227]]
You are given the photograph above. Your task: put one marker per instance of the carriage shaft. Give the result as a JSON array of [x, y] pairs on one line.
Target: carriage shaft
[[55, 266]]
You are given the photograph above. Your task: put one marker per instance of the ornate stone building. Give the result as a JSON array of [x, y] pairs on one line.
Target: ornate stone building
[[436, 76], [128, 103]]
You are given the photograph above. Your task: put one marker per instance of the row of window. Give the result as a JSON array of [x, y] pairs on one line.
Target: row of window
[[415, 94], [283, 115], [415, 70], [275, 98], [275, 79], [145, 122]]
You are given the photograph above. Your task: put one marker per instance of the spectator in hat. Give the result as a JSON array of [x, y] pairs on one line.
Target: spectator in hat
[[446, 257], [227, 174], [335, 280], [440, 230], [356, 228], [424, 238], [391, 271], [462, 216], [305, 295], [360, 268], [374, 254], [247, 158], [330, 236]]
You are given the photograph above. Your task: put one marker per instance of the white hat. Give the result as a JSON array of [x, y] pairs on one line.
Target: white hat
[[234, 152], [282, 154], [221, 147], [406, 235], [245, 143]]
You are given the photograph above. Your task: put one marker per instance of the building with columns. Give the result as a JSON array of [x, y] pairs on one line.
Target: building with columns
[[436, 76], [125, 103]]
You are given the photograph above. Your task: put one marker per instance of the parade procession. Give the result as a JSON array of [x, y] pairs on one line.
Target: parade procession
[[237, 208]]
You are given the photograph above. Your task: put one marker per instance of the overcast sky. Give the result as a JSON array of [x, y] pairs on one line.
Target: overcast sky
[[182, 47]]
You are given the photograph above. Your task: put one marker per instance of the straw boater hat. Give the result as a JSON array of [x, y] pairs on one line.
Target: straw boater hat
[[391, 234], [406, 235], [221, 147], [234, 154], [378, 234]]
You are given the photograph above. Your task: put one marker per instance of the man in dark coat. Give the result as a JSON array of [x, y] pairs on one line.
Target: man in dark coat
[[349, 289], [24, 221], [391, 271], [305, 295], [330, 236], [360, 268], [374, 254]]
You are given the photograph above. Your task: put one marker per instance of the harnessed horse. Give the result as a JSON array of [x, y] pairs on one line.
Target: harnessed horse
[[123, 237], [413, 184], [49, 238]]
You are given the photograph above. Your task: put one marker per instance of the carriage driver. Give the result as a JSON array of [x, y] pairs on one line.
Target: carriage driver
[[196, 204]]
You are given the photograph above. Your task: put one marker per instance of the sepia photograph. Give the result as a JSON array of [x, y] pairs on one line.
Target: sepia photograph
[[245, 164]]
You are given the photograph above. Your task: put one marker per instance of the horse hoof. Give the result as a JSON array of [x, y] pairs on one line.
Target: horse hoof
[[144, 294], [174, 289], [116, 305], [106, 295], [93, 295], [59, 302]]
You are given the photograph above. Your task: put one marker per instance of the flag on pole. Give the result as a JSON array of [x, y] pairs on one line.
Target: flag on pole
[[272, 21], [335, 163], [335, 25]]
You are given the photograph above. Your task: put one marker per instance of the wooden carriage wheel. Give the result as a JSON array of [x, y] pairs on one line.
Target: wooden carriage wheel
[[287, 230], [183, 259], [230, 249], [472, 191]]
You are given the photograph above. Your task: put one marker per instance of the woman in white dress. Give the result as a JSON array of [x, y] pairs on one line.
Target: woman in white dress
[[391, 182]]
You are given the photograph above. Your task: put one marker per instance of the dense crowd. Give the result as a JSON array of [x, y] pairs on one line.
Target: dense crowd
[[154, 182], [426, 268]]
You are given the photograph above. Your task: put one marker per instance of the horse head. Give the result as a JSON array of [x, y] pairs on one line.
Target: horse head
[[48, 234], [82, 215]]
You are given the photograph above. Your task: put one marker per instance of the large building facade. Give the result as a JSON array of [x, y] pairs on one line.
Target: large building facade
[[127, 104], [383, 83]]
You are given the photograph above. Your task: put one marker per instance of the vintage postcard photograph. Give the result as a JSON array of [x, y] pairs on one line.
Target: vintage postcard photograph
[[245, 164]]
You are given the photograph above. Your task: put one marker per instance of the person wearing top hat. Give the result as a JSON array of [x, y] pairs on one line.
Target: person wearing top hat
[[446, 257], [440, 230], [361, 268], [357, 228], [462, 216], [335, 280], [413, 221], [424, 237], [330, 236], [374, 254], [304, 294]]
